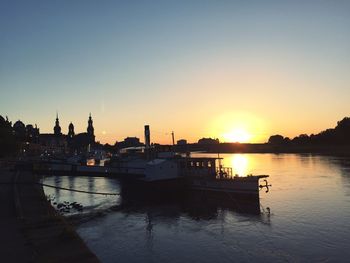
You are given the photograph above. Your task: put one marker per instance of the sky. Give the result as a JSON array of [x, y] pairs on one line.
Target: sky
[[233, 70]]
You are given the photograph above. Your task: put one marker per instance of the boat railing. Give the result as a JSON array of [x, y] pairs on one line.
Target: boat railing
[[198, 171], [224, 172]]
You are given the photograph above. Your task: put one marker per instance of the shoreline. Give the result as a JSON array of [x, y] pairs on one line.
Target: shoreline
[[47, 235], [336, 150]]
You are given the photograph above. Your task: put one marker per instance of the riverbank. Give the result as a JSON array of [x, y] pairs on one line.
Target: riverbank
[[34, 226], [14, 247]]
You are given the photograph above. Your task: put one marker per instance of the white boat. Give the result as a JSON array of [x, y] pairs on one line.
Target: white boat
[[204, 174], [170, 171]]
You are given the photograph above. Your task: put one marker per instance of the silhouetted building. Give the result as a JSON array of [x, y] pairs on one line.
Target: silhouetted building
[[57, 128], [71, 131], [208, 141], [19, 130], [55, 143], [60, 143], [81, 142], [181, 142], [90, 128], [32, 134], [129, 142], [26, 136], [29, 137]]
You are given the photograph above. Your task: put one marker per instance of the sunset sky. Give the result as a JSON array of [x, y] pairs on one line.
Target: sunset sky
[[235, 70]]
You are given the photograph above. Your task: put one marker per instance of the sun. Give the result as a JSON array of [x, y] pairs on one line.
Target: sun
[[237, 135], [241, 127]]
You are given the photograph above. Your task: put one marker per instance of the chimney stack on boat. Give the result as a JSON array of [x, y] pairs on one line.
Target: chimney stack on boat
[[147, 137]]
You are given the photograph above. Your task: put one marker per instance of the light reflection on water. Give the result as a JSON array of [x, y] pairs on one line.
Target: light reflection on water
[[309, 220], [240, 164], [90, 202]]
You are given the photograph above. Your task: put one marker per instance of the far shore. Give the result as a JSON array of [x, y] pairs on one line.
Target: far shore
[[342, 150]]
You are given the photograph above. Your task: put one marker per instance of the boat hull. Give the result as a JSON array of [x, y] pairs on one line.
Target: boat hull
[[169, 186], [247, 187]]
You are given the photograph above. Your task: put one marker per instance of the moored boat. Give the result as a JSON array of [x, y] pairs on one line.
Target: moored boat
[[165, 171]]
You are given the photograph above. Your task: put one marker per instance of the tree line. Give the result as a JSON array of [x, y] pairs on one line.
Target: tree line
[[340, 135]]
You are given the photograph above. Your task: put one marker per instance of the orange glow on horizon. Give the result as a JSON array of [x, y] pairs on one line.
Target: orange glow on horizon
[[238, 127]]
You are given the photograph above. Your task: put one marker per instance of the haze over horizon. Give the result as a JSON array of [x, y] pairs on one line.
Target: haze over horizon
[[228, 69]]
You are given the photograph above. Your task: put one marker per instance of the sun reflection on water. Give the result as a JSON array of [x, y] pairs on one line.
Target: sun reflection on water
[[240, 164]]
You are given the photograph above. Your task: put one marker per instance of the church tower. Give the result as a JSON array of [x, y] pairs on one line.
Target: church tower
[[57, 128], [71, 131], [90, 129]]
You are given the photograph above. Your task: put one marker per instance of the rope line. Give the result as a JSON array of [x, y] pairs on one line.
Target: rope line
[[79, 191]]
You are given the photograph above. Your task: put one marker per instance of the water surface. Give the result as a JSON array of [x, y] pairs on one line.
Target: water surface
[[309, 217]]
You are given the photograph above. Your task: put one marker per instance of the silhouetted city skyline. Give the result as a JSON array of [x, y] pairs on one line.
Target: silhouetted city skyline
[[72, 142]]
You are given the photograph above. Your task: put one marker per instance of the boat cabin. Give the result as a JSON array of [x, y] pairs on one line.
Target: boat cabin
[[198, 166]]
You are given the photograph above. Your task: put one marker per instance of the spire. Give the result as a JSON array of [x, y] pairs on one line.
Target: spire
[[71, 130], [90, 128], [57, 128]]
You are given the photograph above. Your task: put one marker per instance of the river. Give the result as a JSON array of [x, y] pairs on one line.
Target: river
[[304, 217]]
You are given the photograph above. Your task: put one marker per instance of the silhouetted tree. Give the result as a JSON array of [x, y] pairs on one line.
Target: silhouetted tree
[[208, 141], [342, 131], [324, 137], [302, 139], [344, 124], [276, 139], [286, 140], [8, 145]]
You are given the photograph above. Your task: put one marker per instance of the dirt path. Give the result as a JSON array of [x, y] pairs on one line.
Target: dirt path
[[14, 247]]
